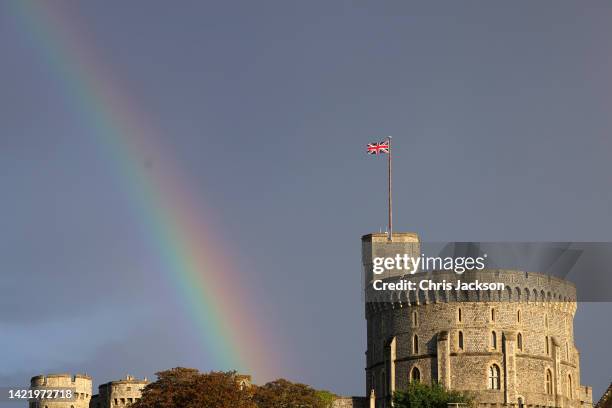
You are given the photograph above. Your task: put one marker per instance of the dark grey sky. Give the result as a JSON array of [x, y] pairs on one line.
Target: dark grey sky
[[501, 115]]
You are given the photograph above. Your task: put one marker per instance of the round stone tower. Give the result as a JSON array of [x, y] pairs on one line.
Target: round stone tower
[[119, 393], [510, 347], [79, 384]]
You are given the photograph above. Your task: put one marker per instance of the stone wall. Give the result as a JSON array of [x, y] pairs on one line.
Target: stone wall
[[514, 346], [79, 383], [119, 393], [351, 402]]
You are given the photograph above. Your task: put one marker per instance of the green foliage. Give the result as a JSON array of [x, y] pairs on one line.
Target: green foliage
[[420, 395], [286, 394], [326, 397]]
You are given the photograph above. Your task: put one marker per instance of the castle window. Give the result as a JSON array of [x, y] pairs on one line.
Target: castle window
[[116, 401], [415, 344], [518, 316], [492, 314], [415, 319], [547, 346], [521, 404], [569, 387], [549, 384], [460, 340], [415, 375], [519, 341], [459, 315], [494, 380], [494, 340]]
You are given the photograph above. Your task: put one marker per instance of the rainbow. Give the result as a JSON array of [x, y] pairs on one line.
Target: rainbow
[[194, 263]]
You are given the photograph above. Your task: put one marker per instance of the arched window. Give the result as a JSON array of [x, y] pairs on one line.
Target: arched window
[[519, 341], [494, 340], [547, 346], [415, 344], [460, 340], [492, 314], [521, 404], [549, 383], [494, 381], [518, 316], [415, 319], [569, 387], [415, 375], [459, 317]]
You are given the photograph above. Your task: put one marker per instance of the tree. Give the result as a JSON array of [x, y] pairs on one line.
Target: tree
[[327, 397], [419, 395], [285, 394], [188, 388]]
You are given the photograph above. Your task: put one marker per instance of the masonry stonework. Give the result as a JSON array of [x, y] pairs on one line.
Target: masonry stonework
[[114, 394], [80, 385], [508, 348], [118, 394], [511, 348]]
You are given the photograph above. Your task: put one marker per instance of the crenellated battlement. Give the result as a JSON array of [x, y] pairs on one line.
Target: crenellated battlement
[[520, 286], [119, 393], [510, 346], [80, 384]]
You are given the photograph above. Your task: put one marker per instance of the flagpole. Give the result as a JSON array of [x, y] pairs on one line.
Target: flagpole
[[390, 235]]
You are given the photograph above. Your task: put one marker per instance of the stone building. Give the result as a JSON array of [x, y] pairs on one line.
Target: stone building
[[79, 384], [512, 347], [118, 393], [110, 395]]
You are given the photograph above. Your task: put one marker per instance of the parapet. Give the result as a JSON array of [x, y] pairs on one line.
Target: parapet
[[377, 245], [395, 237], [122, 386], [61, 378], [128, 380], [520, 286]]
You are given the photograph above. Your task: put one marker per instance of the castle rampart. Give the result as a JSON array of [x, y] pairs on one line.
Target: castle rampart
[[80, 384], [507, 347], [119, 393]]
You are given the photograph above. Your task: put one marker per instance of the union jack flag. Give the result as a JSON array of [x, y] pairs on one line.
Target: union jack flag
[[378, 148]]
